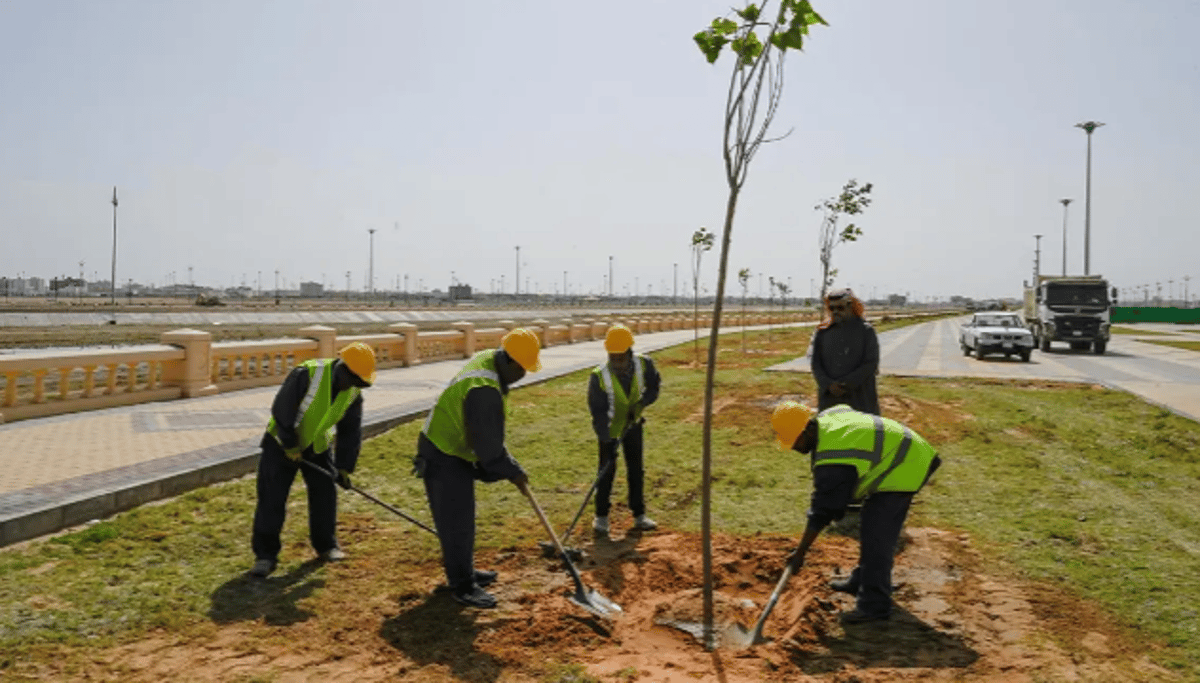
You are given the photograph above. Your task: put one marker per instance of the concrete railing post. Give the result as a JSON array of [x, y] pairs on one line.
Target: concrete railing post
[[326, 338], [468, 332], [409, 332], [193, 376], [541, 328]]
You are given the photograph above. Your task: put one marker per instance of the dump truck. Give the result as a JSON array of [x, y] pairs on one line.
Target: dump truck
[[1070, 308]]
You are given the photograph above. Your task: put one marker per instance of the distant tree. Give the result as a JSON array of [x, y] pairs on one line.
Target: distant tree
[[759, 42], [784, 290], [702, 241], [852, 201], [744, 281]]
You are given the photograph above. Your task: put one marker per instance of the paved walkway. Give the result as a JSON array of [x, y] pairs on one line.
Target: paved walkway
[[61, 471]]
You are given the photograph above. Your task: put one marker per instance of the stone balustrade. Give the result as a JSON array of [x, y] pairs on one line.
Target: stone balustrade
[[188, 363]]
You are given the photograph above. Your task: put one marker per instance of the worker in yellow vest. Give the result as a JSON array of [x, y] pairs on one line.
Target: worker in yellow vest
[[858, 457], [317, 397], [463, 441], [618, 391]]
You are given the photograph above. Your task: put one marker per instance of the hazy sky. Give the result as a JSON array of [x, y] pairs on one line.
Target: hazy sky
[[250, 136]]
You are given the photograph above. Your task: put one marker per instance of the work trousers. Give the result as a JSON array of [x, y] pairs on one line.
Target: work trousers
[[882, 519], [450, 488], [635, 474], [276, 472]]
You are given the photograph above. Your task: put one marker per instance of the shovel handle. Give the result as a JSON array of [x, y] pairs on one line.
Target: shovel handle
[[524, 487], [368, 496], [603, 470], [758, 627]]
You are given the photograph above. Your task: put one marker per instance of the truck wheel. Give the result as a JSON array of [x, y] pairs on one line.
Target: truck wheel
[[1045, 344], [966, 349], [1025, 355], [1099, 347], [978, 352]]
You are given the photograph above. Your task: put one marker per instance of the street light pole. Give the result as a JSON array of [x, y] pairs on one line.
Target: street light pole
[[371, 266], [1089, 127], [610, 275], [1065, 202], [1037, 259], [675, 294], [112, 285], [517, 282]]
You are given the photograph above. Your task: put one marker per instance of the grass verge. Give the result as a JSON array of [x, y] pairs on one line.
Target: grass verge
[[1078, 488], [1174, 343]]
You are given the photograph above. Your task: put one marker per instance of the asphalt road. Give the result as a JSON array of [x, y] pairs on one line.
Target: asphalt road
[[1166, 376]]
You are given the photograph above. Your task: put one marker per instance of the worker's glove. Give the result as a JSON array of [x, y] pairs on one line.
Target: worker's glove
[[343, 479], [520, 480], [838, 389], [294, 454]]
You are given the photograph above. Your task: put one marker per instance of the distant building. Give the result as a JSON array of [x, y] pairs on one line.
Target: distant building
[[897, 300], [460, 292], [312, 290]]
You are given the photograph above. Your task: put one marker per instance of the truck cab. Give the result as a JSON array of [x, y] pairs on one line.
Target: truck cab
[[1072, 309]]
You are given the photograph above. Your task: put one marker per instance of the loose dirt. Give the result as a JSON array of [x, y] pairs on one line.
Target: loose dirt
[[955, 621]]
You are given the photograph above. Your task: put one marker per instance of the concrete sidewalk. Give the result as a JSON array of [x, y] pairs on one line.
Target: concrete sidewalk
[[61, 471]]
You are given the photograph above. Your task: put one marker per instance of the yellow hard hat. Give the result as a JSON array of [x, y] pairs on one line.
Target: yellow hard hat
[[360, 358], [789, 420], [618, 339], [523, 346]]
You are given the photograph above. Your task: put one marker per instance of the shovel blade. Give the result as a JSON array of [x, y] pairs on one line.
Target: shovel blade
[[596, 603], [738, 637]]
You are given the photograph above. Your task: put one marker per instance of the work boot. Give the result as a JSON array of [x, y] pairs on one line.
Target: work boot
[[846, 584], [644, 523], [483, 577], [262, 568], [333, 555], [857, 616], [600, 525], [472, 595]]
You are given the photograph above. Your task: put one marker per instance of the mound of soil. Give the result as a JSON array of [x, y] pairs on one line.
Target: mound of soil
[[954, 622]]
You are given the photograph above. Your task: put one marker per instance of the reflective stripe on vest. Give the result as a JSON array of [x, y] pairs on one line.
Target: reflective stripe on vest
[[887, 455], [617, 417], [445, 425], [318, 414]]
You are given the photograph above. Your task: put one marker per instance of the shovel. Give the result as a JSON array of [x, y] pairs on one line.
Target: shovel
[[548, 549], [368, 496], [736, 635], [588, 599]]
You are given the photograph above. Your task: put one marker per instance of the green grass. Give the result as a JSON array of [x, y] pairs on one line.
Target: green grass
[[1117, 329], [1175, 343], [1090, 491]]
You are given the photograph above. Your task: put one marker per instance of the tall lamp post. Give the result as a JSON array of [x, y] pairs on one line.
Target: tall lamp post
[[112, 285], [371, 266], [517, 282], [1065, 202], [1088, 127], [610, 276], [1037, 259]]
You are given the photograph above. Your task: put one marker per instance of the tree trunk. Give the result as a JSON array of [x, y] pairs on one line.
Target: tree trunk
[[706, 469]]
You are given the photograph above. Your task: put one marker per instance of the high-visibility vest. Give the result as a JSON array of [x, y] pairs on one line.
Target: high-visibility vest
[[319, 413], [618, 401], [887, 455], [446, 425]]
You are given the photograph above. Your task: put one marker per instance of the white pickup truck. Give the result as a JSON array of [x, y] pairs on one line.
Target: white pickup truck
[[995, 332]]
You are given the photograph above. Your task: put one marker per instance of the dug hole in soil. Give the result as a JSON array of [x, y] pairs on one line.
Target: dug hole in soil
[[953, 622]]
